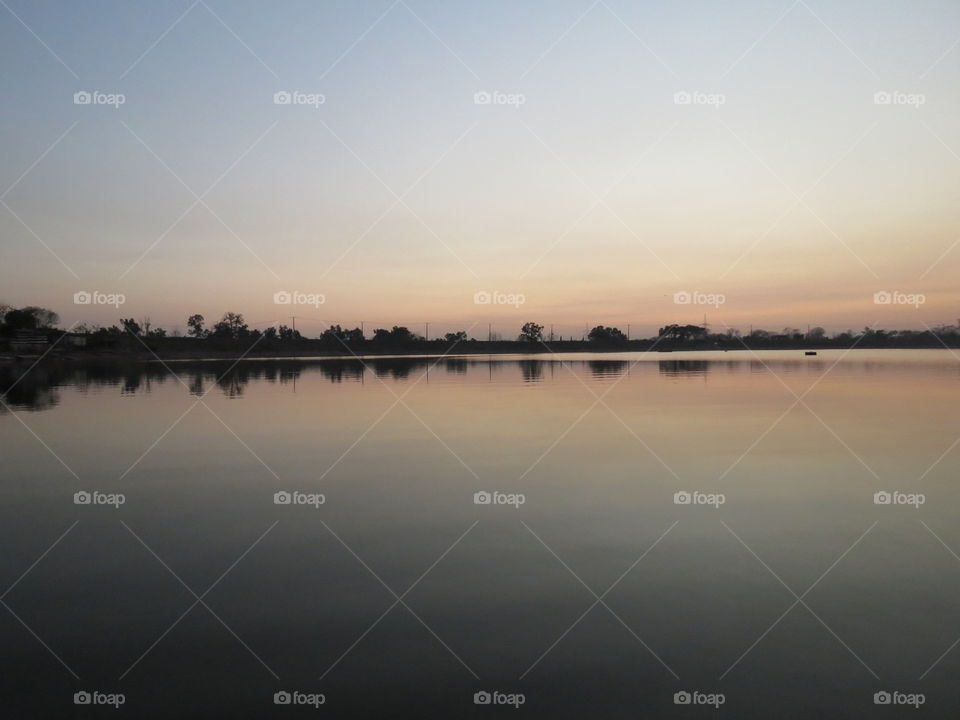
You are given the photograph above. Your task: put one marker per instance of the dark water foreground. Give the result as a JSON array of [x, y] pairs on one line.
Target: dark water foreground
[[772, 534]]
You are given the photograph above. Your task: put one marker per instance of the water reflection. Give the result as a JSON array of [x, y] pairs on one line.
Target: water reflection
[[38, 388], [600, 495], [674, 368], [607, 368], [455, 366], [532, 370]]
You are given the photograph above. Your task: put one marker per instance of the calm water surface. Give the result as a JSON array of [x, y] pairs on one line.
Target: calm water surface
[[798, 596]]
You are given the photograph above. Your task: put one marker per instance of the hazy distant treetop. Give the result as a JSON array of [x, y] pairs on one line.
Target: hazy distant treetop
[[682, 332]]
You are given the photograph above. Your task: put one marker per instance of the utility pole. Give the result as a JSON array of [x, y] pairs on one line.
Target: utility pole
[[427, 331], [628, 332], [489, 332], [361, 329], [293, 320], [551, 332]]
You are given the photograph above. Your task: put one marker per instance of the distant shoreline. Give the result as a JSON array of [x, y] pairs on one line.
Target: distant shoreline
[[469, 350]]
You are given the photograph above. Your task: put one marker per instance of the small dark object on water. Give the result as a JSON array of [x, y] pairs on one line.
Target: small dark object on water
[[810, 352]]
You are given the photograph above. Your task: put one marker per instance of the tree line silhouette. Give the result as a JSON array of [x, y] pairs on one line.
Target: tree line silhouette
[[232, 334]]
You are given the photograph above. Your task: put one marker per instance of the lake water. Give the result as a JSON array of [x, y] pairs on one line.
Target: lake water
[[782, 585]]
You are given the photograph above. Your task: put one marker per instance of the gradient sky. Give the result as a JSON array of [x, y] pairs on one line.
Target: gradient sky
[[597, 199]]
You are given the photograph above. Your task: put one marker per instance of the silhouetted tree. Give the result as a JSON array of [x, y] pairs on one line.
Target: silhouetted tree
[[232, 327], [195, 326], [608, 335], [45, 318], [30, 318], [455, 337], [287, 334], [531, 332], [131, 326], [333, 335], [400, 335], [20, 320]]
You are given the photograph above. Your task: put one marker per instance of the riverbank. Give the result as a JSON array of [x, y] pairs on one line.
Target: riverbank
[[184, 352]]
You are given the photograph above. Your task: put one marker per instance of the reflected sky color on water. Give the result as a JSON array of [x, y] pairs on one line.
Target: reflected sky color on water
[[700, 595]]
